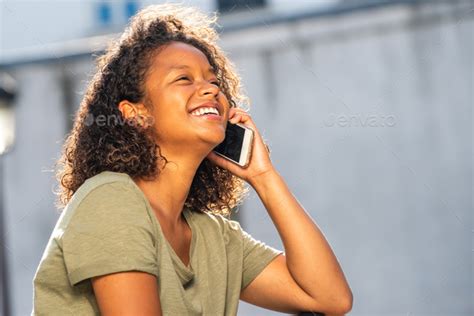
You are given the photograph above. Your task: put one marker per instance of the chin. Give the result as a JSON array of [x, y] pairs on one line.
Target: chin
[[215, 141], [221, 138], [216, 135], [211, 136]]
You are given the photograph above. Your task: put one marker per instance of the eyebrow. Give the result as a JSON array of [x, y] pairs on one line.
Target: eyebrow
[[171, 68]]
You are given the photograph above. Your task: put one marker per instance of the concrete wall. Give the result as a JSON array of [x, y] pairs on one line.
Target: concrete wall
[[368, 114], [369, 117]]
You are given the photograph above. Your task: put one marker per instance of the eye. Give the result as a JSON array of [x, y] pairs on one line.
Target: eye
[[215, 83], [182, 78]]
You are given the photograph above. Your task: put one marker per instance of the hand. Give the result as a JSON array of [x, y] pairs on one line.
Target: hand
[[260, 162]]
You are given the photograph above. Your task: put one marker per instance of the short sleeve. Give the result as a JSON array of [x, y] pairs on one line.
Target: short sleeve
[[256, 255], [110, 231]]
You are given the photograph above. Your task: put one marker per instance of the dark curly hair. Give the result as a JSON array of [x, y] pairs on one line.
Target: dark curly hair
[[91, 148]]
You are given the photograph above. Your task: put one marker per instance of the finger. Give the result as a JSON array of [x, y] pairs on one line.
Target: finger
[[242, 112], [215, 158], [239, 113], [219, 161], [244, 117], [246, 120], [234, 111], [236, 119]]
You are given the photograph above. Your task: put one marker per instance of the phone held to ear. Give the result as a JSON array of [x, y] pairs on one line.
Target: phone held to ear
[[237, 144]]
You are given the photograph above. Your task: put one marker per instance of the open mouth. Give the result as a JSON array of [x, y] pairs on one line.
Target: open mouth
[[207, 113], [204, 111]]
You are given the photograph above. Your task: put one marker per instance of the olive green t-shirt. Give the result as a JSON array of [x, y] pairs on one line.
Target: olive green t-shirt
[[109, 226]]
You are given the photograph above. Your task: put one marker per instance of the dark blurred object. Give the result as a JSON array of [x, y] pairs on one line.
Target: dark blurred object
[[7, 88], [7, 126], [310, 314], [7, 117], [227, 6]]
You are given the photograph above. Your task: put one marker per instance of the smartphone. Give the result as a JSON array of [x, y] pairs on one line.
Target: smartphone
[[237, 144]]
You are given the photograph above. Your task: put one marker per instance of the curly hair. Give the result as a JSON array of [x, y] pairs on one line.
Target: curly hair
[[91, 148]]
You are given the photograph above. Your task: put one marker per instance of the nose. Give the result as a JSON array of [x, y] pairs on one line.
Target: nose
[[208, 88]]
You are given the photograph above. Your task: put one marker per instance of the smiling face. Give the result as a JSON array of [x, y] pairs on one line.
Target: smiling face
[[181, 80]]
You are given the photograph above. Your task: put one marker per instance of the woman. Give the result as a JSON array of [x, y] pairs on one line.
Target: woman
[[145, 230]]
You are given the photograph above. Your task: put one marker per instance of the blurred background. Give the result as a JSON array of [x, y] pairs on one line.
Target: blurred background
[[366, 105]]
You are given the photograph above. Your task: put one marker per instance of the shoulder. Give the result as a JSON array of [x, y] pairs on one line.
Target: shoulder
[[108, 229], [108, 202], [105, 186], [104, 180], [107, 195]]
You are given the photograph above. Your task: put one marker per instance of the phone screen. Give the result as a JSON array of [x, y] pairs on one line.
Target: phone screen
[[233, 142]]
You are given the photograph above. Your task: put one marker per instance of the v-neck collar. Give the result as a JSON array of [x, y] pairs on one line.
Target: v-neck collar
[[185, 273]]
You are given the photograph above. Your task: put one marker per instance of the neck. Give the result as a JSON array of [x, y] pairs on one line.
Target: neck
[[168, 192]]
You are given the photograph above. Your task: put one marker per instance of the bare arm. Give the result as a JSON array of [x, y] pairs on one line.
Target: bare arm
[[127, 293], [308, 277], [308, 259]]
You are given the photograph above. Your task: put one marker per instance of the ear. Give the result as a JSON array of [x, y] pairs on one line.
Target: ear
[[130, 110], [135, 112]]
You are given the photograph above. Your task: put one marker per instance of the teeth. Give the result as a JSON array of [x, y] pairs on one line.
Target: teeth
[[206, 110]]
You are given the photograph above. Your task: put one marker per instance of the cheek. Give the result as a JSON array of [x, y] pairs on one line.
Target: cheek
[[224, 101], [165, 120], [170, 104]]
